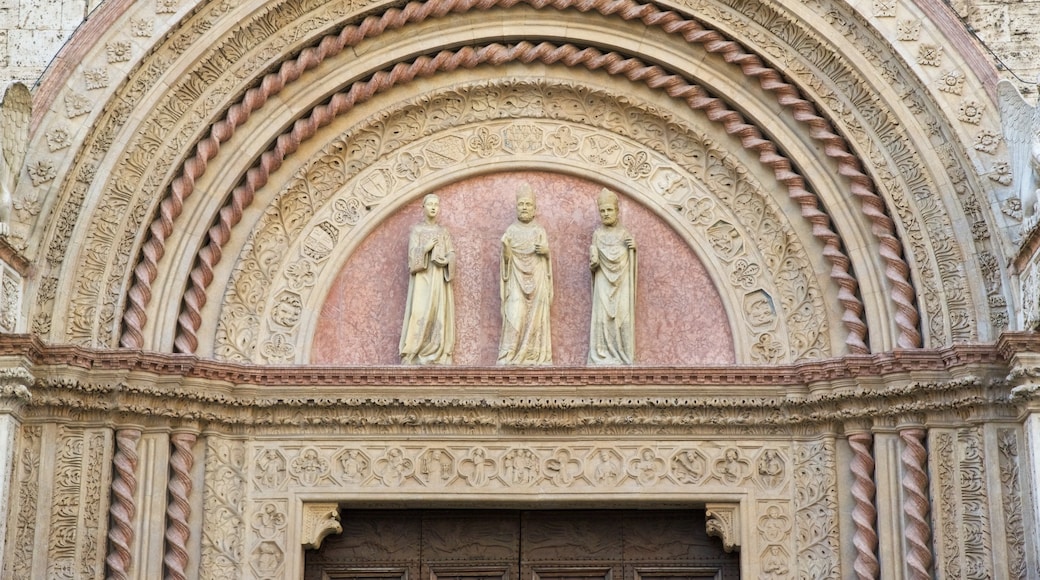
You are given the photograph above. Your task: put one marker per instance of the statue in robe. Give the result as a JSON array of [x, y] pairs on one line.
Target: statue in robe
[[428, 333], [612, 259], [526, 288]]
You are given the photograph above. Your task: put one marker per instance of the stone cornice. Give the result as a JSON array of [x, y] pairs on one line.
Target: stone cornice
[[161, 389], [944, 362]]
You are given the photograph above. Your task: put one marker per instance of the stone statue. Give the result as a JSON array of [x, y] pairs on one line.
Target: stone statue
[[526, 288], [612, 258], [428, 333], [14, 124]]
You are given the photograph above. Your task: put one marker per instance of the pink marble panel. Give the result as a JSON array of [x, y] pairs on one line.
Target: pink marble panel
[[680, 318]]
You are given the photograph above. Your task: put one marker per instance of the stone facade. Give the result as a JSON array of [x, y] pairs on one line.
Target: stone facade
[[203, 277]]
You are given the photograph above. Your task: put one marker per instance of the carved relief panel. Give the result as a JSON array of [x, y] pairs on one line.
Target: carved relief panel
[[58, 519], [787, 493]]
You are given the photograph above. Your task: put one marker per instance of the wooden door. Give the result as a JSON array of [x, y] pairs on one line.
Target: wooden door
[[522, 545]]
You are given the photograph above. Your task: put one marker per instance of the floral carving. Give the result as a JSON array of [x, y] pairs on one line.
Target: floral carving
[[816, 505], [141, 27], [930, 55], [41, 172], [223, 501], [952, 82], [117, 51], [1011, 494], [970, 111], [96, 78], [909, 30]]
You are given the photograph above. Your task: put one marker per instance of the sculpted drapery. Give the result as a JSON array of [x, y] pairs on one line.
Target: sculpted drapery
[[428, 333], [526, 289], [612, 259]]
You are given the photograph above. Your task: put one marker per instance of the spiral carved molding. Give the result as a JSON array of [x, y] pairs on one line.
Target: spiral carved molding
[[864, 513], [635, 70], [124, 485], [178, 509], [896, 269], [916, 506]]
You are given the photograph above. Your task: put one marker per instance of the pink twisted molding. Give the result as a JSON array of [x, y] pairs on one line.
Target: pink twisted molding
[[916, 505], [178, 508], [124, 485], [864, 514], [635, 70], [896, 270]]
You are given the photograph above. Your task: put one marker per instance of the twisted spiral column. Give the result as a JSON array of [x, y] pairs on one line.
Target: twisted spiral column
[[195, 297], [916, 505], [178, 508], [896, 269], [864, 512], [123, 508]]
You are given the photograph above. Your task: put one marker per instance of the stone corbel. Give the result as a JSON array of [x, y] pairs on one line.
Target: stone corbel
[[724, 523], [319, 521], [14, 389]]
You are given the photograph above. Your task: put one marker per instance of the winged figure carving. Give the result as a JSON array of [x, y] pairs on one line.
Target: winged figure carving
[[14, 132], [1020, 121]]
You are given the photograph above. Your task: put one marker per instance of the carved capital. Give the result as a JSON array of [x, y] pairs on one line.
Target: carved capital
[[14, 389], [319, 521], [724, 523]]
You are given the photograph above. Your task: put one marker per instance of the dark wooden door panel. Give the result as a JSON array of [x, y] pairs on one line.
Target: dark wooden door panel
[[522, 545]]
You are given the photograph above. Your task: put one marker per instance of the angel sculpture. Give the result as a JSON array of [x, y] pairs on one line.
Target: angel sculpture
[[1020, 121], [14, 116]]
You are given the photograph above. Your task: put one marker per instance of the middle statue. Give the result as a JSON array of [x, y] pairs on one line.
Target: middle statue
[[526, 288]]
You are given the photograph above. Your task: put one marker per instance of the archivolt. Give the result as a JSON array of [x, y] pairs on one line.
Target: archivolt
[[861, 186]]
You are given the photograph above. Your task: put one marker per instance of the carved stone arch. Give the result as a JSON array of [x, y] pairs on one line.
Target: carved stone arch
[[332, 63], [250, 272], [915, 165], [218, 18], [45, 298]]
